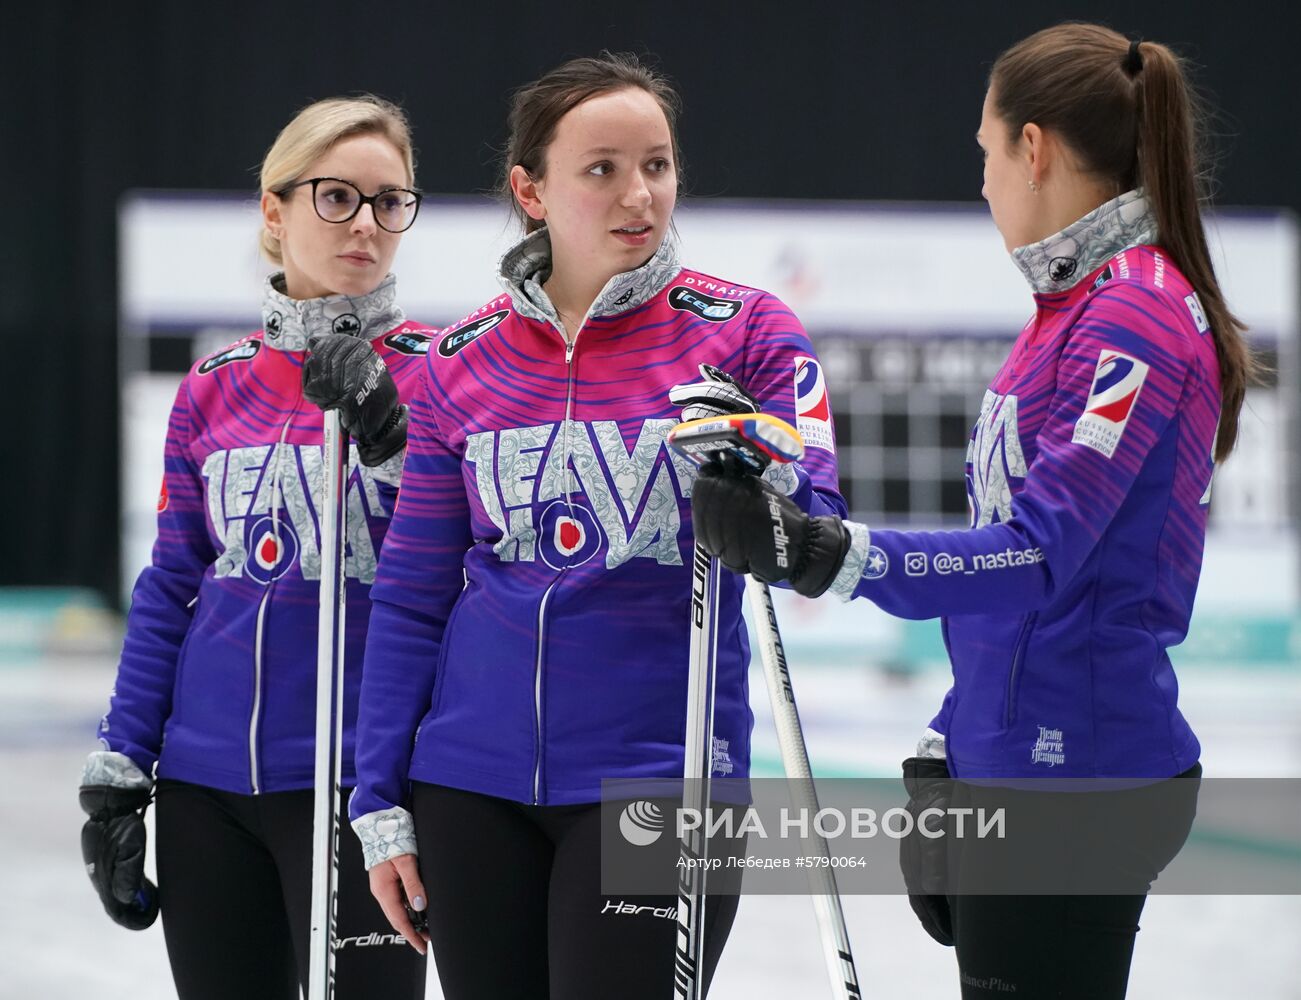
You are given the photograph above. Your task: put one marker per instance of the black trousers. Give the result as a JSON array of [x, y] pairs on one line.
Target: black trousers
[[1106, 848], [234, 884], [516, 908]]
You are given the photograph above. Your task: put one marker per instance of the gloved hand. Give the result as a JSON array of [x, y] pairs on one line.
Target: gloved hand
[[113, 847], [715, 395], [753, 529], [344, 373], [924, 860]]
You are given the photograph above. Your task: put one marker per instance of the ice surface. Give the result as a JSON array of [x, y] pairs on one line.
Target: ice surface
[[57, 944]]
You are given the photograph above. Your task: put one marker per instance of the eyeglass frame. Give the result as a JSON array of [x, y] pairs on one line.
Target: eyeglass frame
[[364, 199]]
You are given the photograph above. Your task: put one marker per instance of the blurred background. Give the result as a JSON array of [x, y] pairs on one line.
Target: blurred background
[[829, 157]]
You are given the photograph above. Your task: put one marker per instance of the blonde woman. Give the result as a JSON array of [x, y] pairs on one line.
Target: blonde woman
[[212, 711]]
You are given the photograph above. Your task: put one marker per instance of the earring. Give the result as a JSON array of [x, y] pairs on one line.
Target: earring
[[1034, 187]]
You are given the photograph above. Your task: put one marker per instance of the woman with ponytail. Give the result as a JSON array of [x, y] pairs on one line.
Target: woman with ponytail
[[1089, 474]]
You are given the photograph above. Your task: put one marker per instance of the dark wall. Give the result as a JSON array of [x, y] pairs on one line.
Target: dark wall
[[790, 100]]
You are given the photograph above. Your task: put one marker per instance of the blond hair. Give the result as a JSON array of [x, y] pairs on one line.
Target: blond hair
[[318, 127]]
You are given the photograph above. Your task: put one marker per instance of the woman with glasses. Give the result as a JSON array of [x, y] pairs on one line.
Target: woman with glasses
[[213, 711]]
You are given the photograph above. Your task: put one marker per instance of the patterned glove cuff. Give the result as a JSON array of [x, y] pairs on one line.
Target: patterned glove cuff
[[851, 570], [782, 477], [931, 745], [385, 834], [116, 770]]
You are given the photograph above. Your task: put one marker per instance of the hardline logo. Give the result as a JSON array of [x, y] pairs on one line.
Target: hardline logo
[[370, 940], [780, 539], [625, 909], [372, 380]]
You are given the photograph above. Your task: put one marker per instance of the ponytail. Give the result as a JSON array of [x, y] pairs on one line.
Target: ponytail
[[1125, 109], [1167, 170]]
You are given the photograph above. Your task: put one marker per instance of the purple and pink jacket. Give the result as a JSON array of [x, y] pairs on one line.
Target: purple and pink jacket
[[530, 628], [1089, 475], [217, 678]]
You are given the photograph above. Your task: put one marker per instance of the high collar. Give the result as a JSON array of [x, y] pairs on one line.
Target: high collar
[[1064, 259], [527, 265], [290, 322]]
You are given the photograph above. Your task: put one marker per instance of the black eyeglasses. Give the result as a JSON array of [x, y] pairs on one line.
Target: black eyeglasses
[[338, 201]]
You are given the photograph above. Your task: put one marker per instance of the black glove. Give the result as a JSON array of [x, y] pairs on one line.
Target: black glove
[[753, 529], [113, 848], [344, 373], [717, 394], [923, 859]]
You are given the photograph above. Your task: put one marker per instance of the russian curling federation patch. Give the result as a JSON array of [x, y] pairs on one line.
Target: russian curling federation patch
[[812, 407], [1116, 384]]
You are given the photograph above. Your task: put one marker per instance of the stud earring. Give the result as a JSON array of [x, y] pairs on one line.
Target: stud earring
[[1034, 187]]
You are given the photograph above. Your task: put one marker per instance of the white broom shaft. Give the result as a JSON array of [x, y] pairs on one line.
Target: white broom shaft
[[688, 981], [833, 934], [329, 722]]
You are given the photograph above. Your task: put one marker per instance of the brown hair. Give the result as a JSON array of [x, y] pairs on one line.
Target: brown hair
[[1130, 117], [319, 126], [537, 107]]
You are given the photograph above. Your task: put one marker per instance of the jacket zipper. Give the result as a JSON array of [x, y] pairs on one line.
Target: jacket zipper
[[257, 694], [254, 775], [1018, 657], [546, 595]]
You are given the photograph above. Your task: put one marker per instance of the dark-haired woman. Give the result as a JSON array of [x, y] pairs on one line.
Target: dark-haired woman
[[215, 691], [530, 633], [1089, 474]]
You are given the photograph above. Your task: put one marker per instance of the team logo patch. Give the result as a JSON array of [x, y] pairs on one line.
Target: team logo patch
[[1116, 384], [240, 352], [348, 325], [812, 407], [470, 332], [1061, 268], [274, 324], [709, 307], [876, 565], [272, 548], [567, 536], [406, 342], [162, 495], [1103, 278]]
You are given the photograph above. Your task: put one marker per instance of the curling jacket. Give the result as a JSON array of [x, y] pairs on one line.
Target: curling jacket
[[1088, 474], [217, 678], [531, 619]]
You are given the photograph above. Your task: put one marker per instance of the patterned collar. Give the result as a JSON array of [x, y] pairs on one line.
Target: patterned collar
[[527, 265], [290, 322], [1064, 259]]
